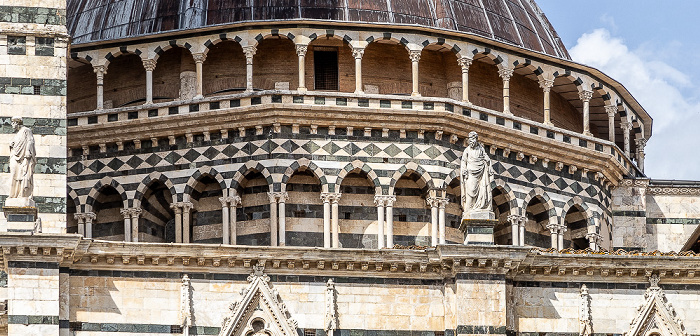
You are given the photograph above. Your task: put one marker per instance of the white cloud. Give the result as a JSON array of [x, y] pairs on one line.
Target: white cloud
[[672, 152]]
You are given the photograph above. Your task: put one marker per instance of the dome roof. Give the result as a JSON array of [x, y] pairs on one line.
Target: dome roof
[[516, 22]]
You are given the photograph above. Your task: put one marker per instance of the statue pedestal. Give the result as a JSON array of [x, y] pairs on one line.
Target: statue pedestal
[[477, 227], [20, 218]]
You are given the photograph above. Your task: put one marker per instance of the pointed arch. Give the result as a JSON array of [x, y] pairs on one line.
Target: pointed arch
[[308, 165], [155, 176], [355, 166]]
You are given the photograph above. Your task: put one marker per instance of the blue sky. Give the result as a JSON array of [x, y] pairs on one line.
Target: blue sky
[[653, 49]]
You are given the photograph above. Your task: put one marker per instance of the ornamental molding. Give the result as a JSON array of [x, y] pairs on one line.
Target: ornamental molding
[[656, 315], [331, 321], [673, 191], [643, 183], [584, 317]]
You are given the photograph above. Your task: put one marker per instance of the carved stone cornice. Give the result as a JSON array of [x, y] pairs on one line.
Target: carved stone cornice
[[673, 191], [639, 183]]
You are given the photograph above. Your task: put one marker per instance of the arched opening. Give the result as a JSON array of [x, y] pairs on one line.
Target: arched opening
[[357, 212], [174, 76], [275, 64], [537, 219], [502, 232], [439, 74], [81, 93], [453, 213], [157, 221], [565, 105], [71, 222], [207, 218], [125, 82], [108, 223], [411, 214], [330, 65], [304, 209], [598, 115], [253, 217], [224, 70], [576, 223], [386, 68], [485, 85], [526, 95]]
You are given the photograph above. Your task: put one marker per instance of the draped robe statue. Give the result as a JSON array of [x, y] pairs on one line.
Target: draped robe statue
[[476, 174], [22, 163]]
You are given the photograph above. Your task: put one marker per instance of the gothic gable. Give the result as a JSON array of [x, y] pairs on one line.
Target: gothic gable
[[656, 316]]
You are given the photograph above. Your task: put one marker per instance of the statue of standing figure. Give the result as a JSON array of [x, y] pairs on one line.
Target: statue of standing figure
[[22, 163], [476, 173]]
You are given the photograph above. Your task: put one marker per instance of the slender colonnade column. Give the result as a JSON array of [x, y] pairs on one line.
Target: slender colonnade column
[[234, 203], [199, 59], [186, 218], [626, 128], [586, 98], [127, 224], [225, 220], [80, 217], [611, 110], [515, 231], [433, 204], [249, 53], [282, 236], [390, 220], [334, 220], [560, 237], [523, 221], [301, 52], [357, 53], [554, 234], [177, 208], [100, 72], [442, 203], [379, 201], [135, 214], [149, 65], [273, 218], [546, 86], [415, 58], [465, 63], [641, 143], [506, 74], [325, 197]]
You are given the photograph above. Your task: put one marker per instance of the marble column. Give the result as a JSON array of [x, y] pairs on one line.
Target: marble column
[[273, 218], [641, 143], [611, 110], [464, 64], [186, 220], [234, 203], [89, 219], [415, 58], [433, 204], [301, 52], [282, 198], [442, 203], [199, 59], [379, 201], [149, 65], [506, 75], [523, 221], [515, 229], [100, 71], [586, 99], [357, 53], [80, 217], [225, 218], [177, 208], [626, 128], [593, 240], [560, 237], [554, 235], [249, 52], [335, 227], [126, 213], [326, 198], [389, 202], [546, 86], [135, 214]]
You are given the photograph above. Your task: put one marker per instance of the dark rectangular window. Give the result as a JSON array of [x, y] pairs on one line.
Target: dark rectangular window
[[43, 46], [326, 68], [16, 45]]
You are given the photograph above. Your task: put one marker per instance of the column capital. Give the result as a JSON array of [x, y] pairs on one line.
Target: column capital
[[277, 195], [199, 57], [249, 52], [442, 202], [358, 52], [187, 206], [129, 212], [149, 64], [302, 49], [505, 74], [330, 197], [594, 237], [585, 95], [464, 63], [383, 200], [553, 228], [611, 110], [432, 201], [177, 207], [546, 84], [626, 125], [99, 69], [641, 143], [90, 215], [516, 219], [414, 55]]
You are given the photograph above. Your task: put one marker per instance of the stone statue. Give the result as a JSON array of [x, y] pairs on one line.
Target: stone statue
[[22, 162], [476, 174]]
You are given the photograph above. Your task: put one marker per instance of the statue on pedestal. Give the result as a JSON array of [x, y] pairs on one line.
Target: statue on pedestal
[[476, 173], [22, 163]]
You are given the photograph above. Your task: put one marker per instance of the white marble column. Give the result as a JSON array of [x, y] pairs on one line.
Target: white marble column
[[379, 201], [515, 229], [506, 75], [546, 86], [177, 208], [199, 59], [464, 64], [523, 221], [234, 203], [586, 99], [80, 217], [554, 234], [611, 110], [326, 198], [186, 220], [626, 128], [135, 214], [357, 53], [225, 218], [433, 204], [89, 220], [273, 218], [149, 65], [249, 53], [335, 227], [415, 58], [593, 239], [641, 143], [389, 202], [126, 213], [442, 203], [100, 71], [560, 237], [282, 198], [301, 52]]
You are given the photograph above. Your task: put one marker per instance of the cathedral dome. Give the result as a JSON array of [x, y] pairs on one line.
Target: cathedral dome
[[516, 22]]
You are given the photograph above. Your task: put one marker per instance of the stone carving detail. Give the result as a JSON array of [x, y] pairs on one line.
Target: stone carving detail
[[22, 163], [656, 315], [476, 172], [584, 317], [259, 303], [185, 305], [331, 308]]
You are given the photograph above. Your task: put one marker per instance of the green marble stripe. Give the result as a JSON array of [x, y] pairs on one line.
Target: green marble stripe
[[44, 165], [40, 15], [689, 221], [39, 126], [32, 319], [25, 86], [480, 330], [629, 213], [45, 204]]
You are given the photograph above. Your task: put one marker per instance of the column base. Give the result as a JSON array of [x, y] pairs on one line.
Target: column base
[[415, 94], [588, 134], [198, 97], [20, 218], [302, 90], [477, 227], [549, 123]]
